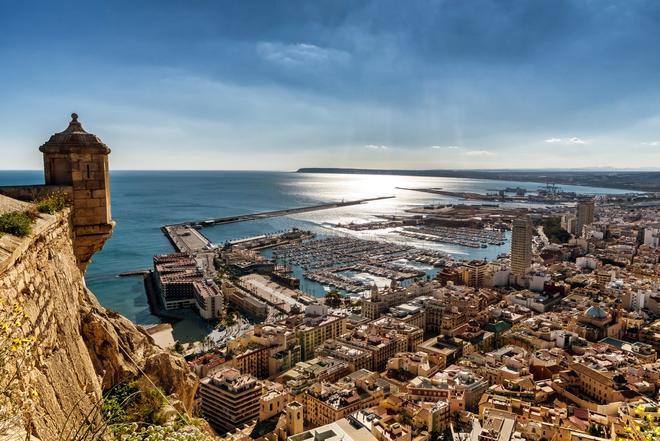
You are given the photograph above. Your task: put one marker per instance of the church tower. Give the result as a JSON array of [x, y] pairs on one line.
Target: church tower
[[79, 160], [294, 418]]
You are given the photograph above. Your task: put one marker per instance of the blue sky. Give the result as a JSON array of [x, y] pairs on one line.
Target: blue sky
[[286, 84]]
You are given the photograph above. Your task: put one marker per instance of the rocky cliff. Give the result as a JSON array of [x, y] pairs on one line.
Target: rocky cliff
[[81, 350]]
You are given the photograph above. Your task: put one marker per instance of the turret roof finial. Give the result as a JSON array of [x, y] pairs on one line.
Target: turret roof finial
[[74, 125]]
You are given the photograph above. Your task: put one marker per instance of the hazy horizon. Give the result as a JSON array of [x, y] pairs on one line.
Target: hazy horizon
[[353, 84], [522, 169]]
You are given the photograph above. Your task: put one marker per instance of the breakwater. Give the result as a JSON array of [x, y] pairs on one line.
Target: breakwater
[[276, 213]]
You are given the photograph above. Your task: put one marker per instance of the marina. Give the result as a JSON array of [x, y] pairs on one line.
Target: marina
[[339, 281], [468, 237], [336, 261], [335, 253]]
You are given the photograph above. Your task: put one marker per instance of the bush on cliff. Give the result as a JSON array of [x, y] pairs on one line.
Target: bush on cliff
[[17, 223], [52, 204], [129, 402], [133, 412], [190, 432]]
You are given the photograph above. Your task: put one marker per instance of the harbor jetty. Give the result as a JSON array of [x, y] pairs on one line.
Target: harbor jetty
[[187, 239], [141, 273], [276, 213]]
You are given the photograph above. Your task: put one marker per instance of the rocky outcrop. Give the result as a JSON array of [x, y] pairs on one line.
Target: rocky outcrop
[[120, 351], [81, 349]]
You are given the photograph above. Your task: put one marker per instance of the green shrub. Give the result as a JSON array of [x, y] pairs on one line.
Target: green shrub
[[134, 432], [132, 402], [17, 223], [52, 204], [114, 403]]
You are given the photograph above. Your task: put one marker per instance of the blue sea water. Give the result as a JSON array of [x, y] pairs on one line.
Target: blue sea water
[[143, 201]]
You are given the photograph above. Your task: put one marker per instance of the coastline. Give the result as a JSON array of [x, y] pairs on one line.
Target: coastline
[[633, 181]]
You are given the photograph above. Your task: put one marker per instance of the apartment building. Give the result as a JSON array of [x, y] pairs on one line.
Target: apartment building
[[356, 358], [230, 399], [414, 334], [182, 284], [382, 344], [315, 330], [328, 402], [521, 246]]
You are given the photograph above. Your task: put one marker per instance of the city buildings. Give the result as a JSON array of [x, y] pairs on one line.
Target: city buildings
[[564, 350]]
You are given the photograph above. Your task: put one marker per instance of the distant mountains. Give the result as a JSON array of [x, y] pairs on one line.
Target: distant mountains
[[620, 179]]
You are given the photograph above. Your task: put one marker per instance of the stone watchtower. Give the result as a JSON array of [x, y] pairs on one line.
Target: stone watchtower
[[79, 160]]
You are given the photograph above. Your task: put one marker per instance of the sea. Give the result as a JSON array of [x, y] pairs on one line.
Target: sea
[[143, 201]]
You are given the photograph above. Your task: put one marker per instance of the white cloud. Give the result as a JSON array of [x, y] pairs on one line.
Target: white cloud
[[462, 151], [479, 153], [299, 54], [446, 147], [651, 143], [566, 141], [376, 147]]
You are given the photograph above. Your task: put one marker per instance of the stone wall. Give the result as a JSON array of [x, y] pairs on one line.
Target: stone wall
[[92, 225], [35, 192], [81, 349]]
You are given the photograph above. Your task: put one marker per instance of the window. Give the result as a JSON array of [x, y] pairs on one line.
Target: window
[[60, 171]]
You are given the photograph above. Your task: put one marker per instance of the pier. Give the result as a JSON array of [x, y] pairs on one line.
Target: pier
[[141, 273], [186, 239], [276, 213]]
